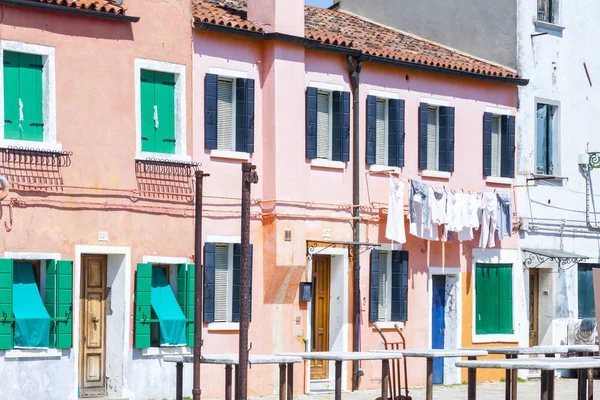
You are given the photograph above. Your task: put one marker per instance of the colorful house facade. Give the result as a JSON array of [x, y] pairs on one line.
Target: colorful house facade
[[328, 106]]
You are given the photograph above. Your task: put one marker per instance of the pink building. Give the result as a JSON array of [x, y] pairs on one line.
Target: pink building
[[105, 118]]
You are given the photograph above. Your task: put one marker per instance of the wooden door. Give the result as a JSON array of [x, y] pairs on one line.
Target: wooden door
[[321, 302], [534, 289], [92, 340]]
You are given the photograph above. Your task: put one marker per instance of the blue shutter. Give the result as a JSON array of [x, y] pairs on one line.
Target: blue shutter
[[423, 110], [487, 144], [244, 115], [210, 111], [374, 287], [450, 138], [345, 126], [209, 282], [504, 145], [399, 286], [371, 129], [446, 143], [396, 133], [336, 127], [250, 115], [235, 290], [311, 122], [510, 148]]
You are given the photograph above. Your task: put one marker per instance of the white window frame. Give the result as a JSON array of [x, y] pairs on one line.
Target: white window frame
[[388, 324], [496, 256], [48, 95], [386, 128], [388, 286], [498, 120], [556, 137], [228, 325], [330, 129], [437, 136], [179, 72]]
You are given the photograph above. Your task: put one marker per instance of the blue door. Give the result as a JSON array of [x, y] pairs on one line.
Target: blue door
[[438, 304]]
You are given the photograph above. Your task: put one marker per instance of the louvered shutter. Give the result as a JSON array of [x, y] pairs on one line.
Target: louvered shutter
[[383, 284], [221, 282], [209, 282], [433, 145], [323, 121], [31, 90], [185, 298], [345, 126], [336, 127], [446, 139], [374, 287], [250, 115], [235, 289], [64, 304], [6, 304], [505, 323], [311, 122], [496, 147], [225, 116], [164, 101], [143, 308], [380, 133], [423, 125], [487, 144], [210, 111], [510, 148], [244, 115], [11, 95], [50, 302], [147, 97], [371, 130], [399, 303], [450, 137], [396, 133]]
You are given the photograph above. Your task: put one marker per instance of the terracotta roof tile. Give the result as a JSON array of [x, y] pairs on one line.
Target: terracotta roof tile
[[107, 6], [345, 30]]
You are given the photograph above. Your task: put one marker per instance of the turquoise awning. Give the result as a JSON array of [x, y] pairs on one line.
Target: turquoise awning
[[168, 311], [32, 322]]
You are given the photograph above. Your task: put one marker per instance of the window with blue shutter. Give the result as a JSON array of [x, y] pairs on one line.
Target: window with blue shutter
[[388, 296], [385, 132], [374, 287], [395, 133], [446, 139], [423, 134], [545, 138], [236, 288], [327, 125], [585, 291], [371, 144], [498, 145], [209, 282]]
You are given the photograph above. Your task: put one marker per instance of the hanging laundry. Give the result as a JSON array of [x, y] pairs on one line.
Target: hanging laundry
[[419, 212], [489, 220], [449, 228], [438, 207], [394, 229], [471, 216], [504, 215]]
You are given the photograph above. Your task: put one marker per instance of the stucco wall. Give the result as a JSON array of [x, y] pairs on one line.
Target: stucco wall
[[493, 37]]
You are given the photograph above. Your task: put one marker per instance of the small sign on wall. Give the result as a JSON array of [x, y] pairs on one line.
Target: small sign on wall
[[305, 292], [103, 236]]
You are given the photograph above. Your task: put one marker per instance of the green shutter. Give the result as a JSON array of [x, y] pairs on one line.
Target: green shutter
[[11, 95], [181, 286], [51, 299], [189, 312], [147, 110], [486, 299], [32, 126], [505, 321], [585, 292], [143, 284], [164, 99], [64, 304], [6, 309]]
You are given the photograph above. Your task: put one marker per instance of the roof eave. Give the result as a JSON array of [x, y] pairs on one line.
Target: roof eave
[[71, 10]]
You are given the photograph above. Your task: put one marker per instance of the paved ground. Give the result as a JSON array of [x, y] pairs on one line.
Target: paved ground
[[530, 390]]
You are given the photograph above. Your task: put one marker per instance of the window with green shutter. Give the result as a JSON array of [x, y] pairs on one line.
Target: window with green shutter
[[157, 92], [585, 291], [493, 299], [23, 97]]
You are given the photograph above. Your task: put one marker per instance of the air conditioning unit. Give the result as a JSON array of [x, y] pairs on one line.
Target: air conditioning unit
[[582, 331]]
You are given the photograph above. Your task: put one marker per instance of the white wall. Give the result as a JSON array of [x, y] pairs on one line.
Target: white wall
[[554, 64]]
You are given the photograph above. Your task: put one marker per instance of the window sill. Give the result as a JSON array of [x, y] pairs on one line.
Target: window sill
[[382, 169], [224, 326], [389, 325], [43, 146], [166, 351], [435, 174], [33, 353], [496, 338], [145, 155], [322, 163], [230, 155], [499, 180], [548, 26]]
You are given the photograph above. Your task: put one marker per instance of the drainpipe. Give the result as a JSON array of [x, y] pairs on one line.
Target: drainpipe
[[5, 187], [354, 68], [587, 175]]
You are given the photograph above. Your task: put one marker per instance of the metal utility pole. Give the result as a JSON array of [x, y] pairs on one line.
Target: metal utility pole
[[249, 176], [198, 285]]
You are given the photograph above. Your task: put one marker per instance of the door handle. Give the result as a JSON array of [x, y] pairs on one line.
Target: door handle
[[95, 320]]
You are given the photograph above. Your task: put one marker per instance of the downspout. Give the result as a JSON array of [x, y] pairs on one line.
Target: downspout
[[354, 70], [587, 170]]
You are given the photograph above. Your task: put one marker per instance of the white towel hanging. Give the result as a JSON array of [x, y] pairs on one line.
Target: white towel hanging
[[155, 117]]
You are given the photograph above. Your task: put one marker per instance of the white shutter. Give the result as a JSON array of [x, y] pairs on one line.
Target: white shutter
[[221, 282], [225, 114], [432, 139], [496, 146], [323, 125], [380, 137], [383, 283]]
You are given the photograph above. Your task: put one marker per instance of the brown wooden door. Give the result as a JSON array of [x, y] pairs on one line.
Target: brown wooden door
[[534, 290], [93, 326], [322, 281]]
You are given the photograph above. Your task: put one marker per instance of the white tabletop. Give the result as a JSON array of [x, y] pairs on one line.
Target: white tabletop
[[233, 359], [548, 364], [436, 353], [538, 349], [345, 356]]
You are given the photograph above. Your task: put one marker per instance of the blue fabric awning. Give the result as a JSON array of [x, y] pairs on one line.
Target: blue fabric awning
[[168, 311], [32, 322]]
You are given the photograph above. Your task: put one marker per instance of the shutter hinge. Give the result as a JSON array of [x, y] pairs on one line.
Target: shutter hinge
[[145, 80], [144, 138], [169, 140], [169, 83], [38, 66], [6, 62], [36, 124], [8, 121]]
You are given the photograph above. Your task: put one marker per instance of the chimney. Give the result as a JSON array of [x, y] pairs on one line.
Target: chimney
[[283, 16]]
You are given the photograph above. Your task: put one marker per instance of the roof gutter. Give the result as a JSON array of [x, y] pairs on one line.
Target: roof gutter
[[70, 10], [318, 45]]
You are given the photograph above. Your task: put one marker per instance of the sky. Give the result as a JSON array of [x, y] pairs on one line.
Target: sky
[[319, 3]]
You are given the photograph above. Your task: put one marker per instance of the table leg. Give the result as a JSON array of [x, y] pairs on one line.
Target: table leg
[[507, 381], [429, 387], [282, 384], [385, 379], [544, 386], [179, 381], [581, 384], [228, 369], [472, 381], [515, 381], [551, 379], [590, 382], [290, 381], [338, 380]]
